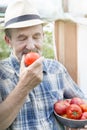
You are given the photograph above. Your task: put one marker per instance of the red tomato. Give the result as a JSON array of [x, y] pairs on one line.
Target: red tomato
[[76, 100], [60, 107], [84, 107], [30, 58], [74, 111], [84, 116]]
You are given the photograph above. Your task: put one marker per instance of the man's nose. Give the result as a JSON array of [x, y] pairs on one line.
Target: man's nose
[[30, 45]]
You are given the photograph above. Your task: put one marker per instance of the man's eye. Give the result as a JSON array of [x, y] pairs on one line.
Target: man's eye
[[37, 36], [22, 39]]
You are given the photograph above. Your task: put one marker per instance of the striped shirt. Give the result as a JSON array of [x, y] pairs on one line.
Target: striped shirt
[[37, 112]]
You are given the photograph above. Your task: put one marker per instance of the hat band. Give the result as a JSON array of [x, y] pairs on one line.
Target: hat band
[[22, 18]]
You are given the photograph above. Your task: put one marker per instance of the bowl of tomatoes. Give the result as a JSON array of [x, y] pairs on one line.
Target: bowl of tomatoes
[[71, 112]]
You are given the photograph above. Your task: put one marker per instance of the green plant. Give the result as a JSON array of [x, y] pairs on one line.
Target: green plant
[[48, 47], [4, 49]]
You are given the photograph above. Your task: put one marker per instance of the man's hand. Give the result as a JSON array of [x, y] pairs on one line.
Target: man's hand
[[32, 75]]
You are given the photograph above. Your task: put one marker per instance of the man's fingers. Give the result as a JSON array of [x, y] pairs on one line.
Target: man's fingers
[[22, 63], [36, 64]]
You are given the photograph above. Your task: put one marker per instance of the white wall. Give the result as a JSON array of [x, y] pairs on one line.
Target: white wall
[[82, 57], [77, 7]]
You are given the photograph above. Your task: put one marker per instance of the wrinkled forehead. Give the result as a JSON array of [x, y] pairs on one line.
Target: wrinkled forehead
[[38, 29]]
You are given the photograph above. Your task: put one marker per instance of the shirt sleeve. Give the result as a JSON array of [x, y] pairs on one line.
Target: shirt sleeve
[[0, 98], [71, 89], [1, 92], [5, 88]]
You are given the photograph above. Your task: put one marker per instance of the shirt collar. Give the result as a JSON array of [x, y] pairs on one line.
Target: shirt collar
[[15, 64]]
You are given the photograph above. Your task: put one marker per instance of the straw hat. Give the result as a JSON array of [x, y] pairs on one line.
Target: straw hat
[[21, 13]]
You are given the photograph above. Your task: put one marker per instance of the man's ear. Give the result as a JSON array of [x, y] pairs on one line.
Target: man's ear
[[7, 39]]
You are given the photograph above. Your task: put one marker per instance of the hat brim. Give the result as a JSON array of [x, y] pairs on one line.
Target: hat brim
[[27, 23]]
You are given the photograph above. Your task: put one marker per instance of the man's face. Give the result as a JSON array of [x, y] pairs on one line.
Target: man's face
[[24, 40]]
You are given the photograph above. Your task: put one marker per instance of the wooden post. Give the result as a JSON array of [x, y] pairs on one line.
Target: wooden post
[[66, 45]]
